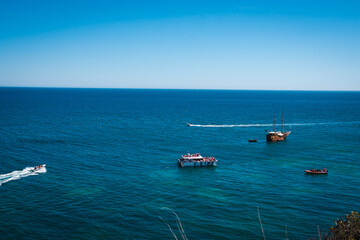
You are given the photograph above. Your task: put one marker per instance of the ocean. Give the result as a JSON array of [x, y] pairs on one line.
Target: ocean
[[111, 163]]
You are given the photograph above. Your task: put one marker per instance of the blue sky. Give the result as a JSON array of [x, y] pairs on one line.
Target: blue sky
[[284, 45]]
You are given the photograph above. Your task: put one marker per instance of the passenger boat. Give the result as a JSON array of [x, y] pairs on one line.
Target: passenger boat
[[278, 136], [317, 171], [196, 160], [37, 168]]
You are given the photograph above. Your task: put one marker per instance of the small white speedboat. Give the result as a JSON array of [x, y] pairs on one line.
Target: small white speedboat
[[37, 168]]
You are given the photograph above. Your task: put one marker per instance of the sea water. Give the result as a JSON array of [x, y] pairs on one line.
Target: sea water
[[111, 159]]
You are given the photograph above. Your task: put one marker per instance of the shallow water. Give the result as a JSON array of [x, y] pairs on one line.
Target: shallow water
[[111, 163]]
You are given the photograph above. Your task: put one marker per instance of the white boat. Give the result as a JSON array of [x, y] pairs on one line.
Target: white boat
[[196, 160], [38, 168]]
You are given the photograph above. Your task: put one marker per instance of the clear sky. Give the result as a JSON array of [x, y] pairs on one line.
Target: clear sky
[[285, 45]]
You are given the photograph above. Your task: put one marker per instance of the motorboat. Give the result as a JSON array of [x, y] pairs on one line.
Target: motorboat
[[37, 168], [196, 160], [317, 171]]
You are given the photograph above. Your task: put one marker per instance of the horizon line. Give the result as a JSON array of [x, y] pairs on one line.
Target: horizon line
[[206, 89]]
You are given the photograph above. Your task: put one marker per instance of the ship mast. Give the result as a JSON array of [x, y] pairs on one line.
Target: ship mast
[[274, 121], [282, 121]]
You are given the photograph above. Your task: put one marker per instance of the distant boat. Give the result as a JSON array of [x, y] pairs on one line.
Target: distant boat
[[317, 171], [252, 140], [278, 136], [196, 160], [37, 168]]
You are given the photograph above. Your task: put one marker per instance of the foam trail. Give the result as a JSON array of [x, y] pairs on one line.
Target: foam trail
[[266, 125], [230, 125], [15, 175]]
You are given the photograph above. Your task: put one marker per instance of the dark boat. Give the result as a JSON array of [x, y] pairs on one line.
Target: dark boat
[[274, 136], [252, 140], [317, 171]]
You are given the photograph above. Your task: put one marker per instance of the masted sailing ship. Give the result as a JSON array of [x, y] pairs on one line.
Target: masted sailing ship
[[278, 136]]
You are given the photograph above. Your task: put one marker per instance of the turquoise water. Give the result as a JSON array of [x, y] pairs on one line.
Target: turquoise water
[[111, 163]]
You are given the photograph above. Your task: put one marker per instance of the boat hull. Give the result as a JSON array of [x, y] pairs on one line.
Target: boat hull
[[276, 137], [316, 172], [197, 164]]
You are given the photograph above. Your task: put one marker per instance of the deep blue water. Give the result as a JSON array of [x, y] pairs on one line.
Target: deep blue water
[[111, 163]]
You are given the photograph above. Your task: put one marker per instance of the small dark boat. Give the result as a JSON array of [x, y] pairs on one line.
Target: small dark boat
[[252, 140], [317, 171]]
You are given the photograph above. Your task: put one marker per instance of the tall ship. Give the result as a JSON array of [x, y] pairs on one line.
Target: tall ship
[[278, 136], [196, 160]]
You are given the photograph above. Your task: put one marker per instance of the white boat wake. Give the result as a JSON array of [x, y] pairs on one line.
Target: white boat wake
[[15, 175], [228, 125], [264, 125]]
